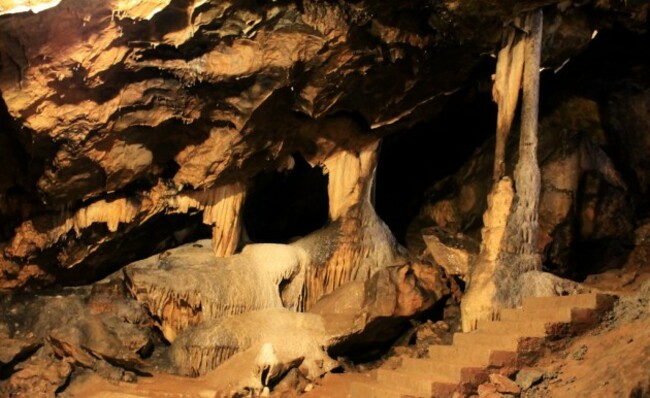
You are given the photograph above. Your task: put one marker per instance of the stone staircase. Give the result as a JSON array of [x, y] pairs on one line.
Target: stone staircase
[[495, 346]]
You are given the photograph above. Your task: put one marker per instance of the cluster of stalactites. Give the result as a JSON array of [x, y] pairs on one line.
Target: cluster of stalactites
[[222, 209]]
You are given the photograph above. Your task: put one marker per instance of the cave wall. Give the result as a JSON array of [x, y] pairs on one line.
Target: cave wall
[[115, 113]]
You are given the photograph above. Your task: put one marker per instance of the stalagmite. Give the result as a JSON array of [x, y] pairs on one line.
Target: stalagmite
[[357, 243]]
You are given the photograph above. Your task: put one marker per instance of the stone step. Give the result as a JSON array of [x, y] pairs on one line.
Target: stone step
[[521, 328], [574, 301], [374, 389], [443, 372], [415, 383], [448, 365], [443, 390], [553, 315], [466, 355], [495, 341]]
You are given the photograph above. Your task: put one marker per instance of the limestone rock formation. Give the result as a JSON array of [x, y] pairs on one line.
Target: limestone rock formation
[[354, 315], [580, 186], [133, 131], [213, 304], [189, 285], [113, 110], [292, 334]]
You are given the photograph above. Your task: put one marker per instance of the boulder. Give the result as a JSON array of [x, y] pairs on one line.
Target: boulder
[[455, 253], [504, 385], [528, 377]]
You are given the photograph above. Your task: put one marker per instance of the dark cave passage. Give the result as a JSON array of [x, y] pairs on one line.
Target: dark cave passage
[[411, 161], [284, 205]]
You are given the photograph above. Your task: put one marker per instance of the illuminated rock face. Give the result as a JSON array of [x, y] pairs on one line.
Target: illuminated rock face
[[129, 128], [120, 112], [113, 112]]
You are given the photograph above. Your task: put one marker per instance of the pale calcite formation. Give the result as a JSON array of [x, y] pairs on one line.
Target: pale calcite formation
[[357, 243], [478, 301], [189, 285], [351, 176], [17, 6], [510, 249], [221, 209]]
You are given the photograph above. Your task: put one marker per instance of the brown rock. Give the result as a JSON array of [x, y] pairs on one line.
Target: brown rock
[[455, 253], [100, 115], [392, 293], [13, 349], [486, 389], [504, 385], [528, 377], [40, 376]]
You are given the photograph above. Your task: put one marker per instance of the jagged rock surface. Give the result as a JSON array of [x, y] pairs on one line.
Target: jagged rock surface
[[114, 107], [455, 253], [47, 337]]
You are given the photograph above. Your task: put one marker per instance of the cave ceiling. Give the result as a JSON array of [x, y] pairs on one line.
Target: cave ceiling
[[124, 104]]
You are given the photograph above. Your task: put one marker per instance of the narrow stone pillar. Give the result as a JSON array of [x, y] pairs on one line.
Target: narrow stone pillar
[[509, 246]]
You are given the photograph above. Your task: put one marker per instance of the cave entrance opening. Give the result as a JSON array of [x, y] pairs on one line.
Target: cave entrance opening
[[283, 205]]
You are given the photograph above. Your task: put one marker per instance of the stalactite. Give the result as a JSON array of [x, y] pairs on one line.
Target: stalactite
[[35, 6], [222, 209], [30, 237], [507, 83], [351, 176], [227, 227]]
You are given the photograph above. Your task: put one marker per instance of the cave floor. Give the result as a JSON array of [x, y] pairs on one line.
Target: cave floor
[[610, 360], [590, 364]]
